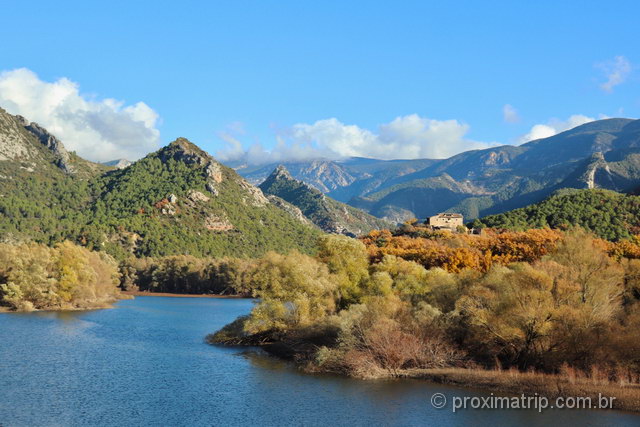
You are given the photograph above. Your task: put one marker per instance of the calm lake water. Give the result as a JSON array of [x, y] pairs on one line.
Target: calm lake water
[[145, 363]]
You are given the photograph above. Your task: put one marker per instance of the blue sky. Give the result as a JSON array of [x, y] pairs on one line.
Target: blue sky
[[268, 71]]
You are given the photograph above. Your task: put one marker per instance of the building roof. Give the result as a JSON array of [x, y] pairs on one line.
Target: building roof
[[448, 215]]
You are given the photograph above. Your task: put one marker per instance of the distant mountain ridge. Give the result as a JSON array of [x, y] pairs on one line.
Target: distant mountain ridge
[[600, 154], [324, 175], [118, 163], [329, 215], [342, 179]]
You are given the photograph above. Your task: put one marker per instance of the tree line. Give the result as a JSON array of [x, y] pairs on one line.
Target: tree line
[[548, 301]]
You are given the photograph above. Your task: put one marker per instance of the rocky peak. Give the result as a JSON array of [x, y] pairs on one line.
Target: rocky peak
[[215, 172], [11, 126], [281, 177], [184, 150], [63, 160], [280, 172]]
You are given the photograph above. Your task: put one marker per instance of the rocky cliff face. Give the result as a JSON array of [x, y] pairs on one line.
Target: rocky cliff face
[[24, 141], [329, 215], [63, 160], [292, 210], [14, 141]]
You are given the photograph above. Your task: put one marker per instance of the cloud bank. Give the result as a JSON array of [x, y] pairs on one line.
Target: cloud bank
[[616, 72], [406, 137], [98, 130]]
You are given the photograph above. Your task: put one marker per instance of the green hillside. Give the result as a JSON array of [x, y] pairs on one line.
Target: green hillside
[[328, 214], [610, 215], [178, 200]]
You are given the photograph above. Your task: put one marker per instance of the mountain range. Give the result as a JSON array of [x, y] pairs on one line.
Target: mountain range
[[177, 200], [600, 154], [180, 199]]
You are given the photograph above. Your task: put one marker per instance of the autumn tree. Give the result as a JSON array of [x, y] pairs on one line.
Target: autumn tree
[[347, 259], [34, 276], [295, 290]]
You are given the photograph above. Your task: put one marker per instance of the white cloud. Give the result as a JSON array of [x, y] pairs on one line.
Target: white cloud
[[406, 137], [616, 72], [98, 130], [555, 126], [510, 114]]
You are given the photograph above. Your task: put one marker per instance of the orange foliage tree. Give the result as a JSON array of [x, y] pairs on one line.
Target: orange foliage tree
[[456, 252]]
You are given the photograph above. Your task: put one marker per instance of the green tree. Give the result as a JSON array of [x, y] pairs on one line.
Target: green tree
[[347, 259]]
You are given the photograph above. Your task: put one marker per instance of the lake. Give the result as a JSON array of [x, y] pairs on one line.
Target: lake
[[145, 362]]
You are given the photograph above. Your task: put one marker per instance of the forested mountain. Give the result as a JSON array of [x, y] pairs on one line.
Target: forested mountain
[[610, 215], [181, 200], [328, 214], [178, 200], [600, 154]]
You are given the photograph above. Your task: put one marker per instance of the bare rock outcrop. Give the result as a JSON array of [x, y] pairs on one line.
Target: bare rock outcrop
[[63, 160], [214, 171], [292, 210], [196, 196], [12, 145], [257, 197], [217, 223]]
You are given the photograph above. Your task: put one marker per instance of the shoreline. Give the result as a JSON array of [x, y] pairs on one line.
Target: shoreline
[[515, 383], [627, 398], [101, 306], [123, 295], [168, 294], [510, 382]]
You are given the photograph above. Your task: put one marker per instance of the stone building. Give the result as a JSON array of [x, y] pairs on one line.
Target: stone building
[[448, 221]]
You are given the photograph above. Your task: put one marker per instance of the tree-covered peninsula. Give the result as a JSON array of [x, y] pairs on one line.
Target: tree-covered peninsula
[[562, 305]]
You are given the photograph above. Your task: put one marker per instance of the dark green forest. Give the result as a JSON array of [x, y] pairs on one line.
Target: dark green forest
[[608, 214]]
